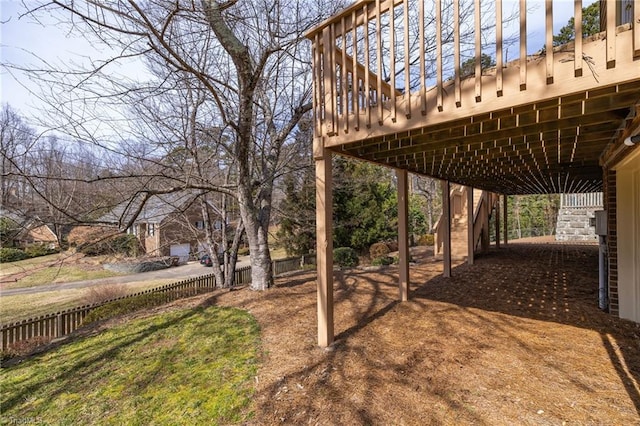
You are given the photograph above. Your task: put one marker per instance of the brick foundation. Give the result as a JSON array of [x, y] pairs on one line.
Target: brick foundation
[[612, 240]]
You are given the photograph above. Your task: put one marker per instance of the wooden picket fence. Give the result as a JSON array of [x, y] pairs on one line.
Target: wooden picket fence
[[59, 324]]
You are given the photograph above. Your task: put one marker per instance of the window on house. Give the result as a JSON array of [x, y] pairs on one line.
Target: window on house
[[151, 229], [133, 230], [217, 225], [200, 224]]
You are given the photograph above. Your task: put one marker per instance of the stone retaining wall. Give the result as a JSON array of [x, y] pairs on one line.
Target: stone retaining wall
[[576, 224]]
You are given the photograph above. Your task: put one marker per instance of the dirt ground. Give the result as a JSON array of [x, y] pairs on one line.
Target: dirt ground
[[516, 338]]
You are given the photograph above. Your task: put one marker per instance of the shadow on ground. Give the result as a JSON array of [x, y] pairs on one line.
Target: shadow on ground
[[516, 338]]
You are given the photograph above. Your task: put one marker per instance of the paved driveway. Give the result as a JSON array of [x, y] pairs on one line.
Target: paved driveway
[[191, 269]]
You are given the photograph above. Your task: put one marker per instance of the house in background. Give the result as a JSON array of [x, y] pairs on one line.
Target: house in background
[[167, 224], [25, 230]]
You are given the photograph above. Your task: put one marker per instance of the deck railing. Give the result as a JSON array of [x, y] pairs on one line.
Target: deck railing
[[385, 61], [590, 200], [59, 324]]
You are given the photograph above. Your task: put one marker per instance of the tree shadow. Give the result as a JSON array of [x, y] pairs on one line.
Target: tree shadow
[[89, 357], [549, 283], [545, 282], [361, 300]]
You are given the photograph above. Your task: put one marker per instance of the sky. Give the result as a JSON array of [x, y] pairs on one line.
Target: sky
[[23, 41], [27, 42]]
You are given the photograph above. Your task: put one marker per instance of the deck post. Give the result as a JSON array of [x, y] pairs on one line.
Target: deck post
[[446, 216], [506, 223], [497, 222], [324, 245], [484, 241], [403, 234], [471, 243]]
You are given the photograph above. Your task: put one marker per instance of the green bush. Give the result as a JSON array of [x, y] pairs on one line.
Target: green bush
[[379, 250], [12, 255], [345, 257], [8, 229], [382, 261], [396, 259], [36, 250], [125, 306]]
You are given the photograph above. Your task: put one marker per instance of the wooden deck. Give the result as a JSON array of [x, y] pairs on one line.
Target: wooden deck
[[393, 85], [536, 124]]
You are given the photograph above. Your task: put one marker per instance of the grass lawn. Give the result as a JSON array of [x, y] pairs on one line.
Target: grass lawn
[[24, 306], [52, 269], [60, 274], [26, 264], [193, 366]]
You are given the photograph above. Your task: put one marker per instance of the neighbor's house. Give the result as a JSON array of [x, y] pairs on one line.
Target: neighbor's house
[[27, 230], [167, 224]]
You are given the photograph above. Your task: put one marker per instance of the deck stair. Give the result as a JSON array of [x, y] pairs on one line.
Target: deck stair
[[485, 205]]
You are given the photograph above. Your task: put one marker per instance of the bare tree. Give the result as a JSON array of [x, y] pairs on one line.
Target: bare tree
[[429, 188], [241, 62], [16, 140]]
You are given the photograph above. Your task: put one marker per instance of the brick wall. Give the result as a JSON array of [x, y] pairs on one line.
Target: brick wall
[[612, 239]]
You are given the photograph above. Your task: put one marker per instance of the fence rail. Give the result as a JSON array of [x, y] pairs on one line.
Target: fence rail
[[59, 324]]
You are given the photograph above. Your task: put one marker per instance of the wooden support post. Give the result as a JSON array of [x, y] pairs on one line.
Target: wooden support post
[[505, 221], [446, 217], [324, 247], [403, 234], [485, 225], [497, 222], [471, 242]]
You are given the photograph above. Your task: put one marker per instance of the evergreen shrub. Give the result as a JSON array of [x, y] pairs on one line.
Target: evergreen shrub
[[382, 261], [12, 255], [345, 257]]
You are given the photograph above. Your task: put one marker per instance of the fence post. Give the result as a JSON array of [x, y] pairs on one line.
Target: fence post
[[57, 325], [59, 329]]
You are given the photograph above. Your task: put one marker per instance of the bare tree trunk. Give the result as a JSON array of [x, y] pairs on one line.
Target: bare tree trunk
[[212, 247], [257, 235], [230, 265]]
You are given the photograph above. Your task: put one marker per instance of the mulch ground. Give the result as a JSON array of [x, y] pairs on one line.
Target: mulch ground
[[516, 338]]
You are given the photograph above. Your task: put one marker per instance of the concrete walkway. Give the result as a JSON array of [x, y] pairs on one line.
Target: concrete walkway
[[190, 270]]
